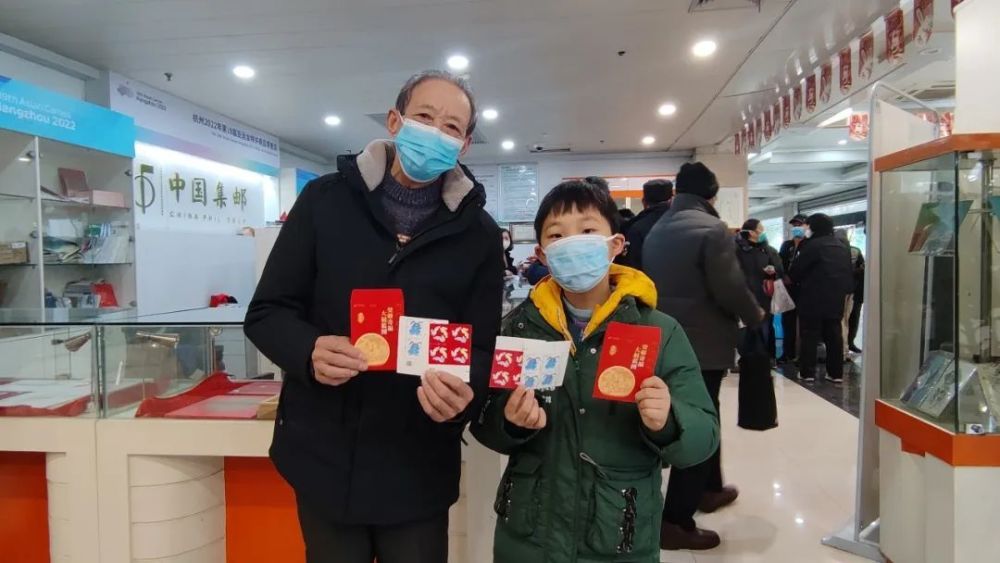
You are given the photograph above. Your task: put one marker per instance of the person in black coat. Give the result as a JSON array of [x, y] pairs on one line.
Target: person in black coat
[[510, 269], [691, 257], [854, 322], [823, 276], [790, 319], [761, 264], [656, 196], [374, 457]]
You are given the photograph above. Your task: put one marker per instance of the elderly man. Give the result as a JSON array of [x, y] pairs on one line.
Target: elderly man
[[691, 257], [374, 458]]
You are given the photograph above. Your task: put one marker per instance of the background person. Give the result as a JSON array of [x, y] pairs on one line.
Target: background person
[[760, 264], [375, 458], [854, 322], [656, 196], [823, 278], [690, 255], [789, 319], [510, 270]]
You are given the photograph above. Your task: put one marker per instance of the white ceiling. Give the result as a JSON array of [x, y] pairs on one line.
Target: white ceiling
[[550, 66]]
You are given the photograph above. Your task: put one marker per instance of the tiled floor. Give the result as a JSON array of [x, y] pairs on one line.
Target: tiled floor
[[796, 483]]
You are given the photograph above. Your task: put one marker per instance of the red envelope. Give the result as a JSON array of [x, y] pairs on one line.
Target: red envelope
[[628, 358], [506, 370], [375, 325], [450, 344]]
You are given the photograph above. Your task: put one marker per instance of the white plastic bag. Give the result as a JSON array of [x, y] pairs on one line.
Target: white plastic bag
[[781, 302]]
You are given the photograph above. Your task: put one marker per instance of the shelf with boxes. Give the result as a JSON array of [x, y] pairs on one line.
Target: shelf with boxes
[[66, 224]]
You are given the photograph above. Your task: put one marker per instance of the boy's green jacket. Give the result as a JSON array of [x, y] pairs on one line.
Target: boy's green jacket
[[587, 486]]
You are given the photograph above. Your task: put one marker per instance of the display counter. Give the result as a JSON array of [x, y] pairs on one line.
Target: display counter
[[151, 434], [939, 407]]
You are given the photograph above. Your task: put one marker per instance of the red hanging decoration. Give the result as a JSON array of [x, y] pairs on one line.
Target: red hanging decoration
[[895, 38], [811, 93], [825, 82], [786, 111], [866, 56], [858, 126], [768, 127], [923, 21], [797, 102], [846, 76]]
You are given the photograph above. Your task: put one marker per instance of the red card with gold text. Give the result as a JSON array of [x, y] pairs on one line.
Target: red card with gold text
[[628, 358], [375, 325]]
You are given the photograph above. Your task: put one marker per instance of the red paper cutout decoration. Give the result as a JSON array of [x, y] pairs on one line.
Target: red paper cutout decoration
[[846, 77], [895, 39]]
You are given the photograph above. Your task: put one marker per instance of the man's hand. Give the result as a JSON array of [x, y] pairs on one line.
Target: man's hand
[[443, 396], [335, 361], [653, 399], [769, 270], [523, 410]]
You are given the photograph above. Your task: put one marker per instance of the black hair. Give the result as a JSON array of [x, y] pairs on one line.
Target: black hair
[[820, 224], [598, 182], [626, 214], [751, 225], [577, 195], [657, 191], [502, 231], [403, 98]]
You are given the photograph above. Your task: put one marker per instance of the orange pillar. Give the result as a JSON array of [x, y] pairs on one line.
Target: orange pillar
[[24, 510]]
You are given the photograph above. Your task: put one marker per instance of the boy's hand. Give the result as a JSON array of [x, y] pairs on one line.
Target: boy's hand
[[523, 410], [443, 396], [653, 399]]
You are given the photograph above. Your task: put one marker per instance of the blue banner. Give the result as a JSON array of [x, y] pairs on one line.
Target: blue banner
[[303, 177], [35, 111]]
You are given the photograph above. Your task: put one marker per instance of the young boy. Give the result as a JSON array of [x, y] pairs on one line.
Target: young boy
[[583, 480]]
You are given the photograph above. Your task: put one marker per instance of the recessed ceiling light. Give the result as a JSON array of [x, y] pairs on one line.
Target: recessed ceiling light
[[648, 140], [490, 114], [245, 72], [507, 145], [667, 109], [24, 158], [332, 120], [842, 142], [751, 155], [458, 62], [705, 48]]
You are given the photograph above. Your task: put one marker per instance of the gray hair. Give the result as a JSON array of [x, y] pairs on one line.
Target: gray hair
[[403, 99]]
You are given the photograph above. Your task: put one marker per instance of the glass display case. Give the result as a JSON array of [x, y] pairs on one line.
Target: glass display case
[[47, 366], [184, 365], [940, 296]]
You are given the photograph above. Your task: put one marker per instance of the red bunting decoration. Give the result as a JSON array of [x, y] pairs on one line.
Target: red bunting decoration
[[895, 39], [797, 102], [777, 117], [858, 126], [786, 111], [825, 82], [811, 93], [866, 56], [846, 76], [923, 21], [768, 128]]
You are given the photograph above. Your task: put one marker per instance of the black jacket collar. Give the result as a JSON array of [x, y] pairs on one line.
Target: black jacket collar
[[691, 202]]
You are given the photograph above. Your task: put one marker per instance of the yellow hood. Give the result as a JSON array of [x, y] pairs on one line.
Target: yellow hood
[[547, 297]]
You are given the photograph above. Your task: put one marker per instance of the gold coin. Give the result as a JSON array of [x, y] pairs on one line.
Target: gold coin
[[616, 381], [375, 347]]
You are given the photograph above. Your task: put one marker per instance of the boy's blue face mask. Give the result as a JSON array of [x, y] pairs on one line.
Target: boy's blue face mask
[[426, 153], [580, 262], [798, 232]]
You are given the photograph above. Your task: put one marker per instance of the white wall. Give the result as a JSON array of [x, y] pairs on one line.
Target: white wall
[[33, 73], [287, 193]]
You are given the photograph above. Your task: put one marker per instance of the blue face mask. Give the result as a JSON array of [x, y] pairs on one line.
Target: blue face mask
[[798, 232], [762, 238], [426, 153], [580, 262]]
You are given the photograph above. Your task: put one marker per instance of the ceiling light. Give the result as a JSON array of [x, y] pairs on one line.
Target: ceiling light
[[705, 48], [490, 114], [648, 140], [458, 62], [800, 520], [507, 145], [245, 72], [24, 158], [837, 117], [842, 142], [667, 110], [751, 155], [332, 120]]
